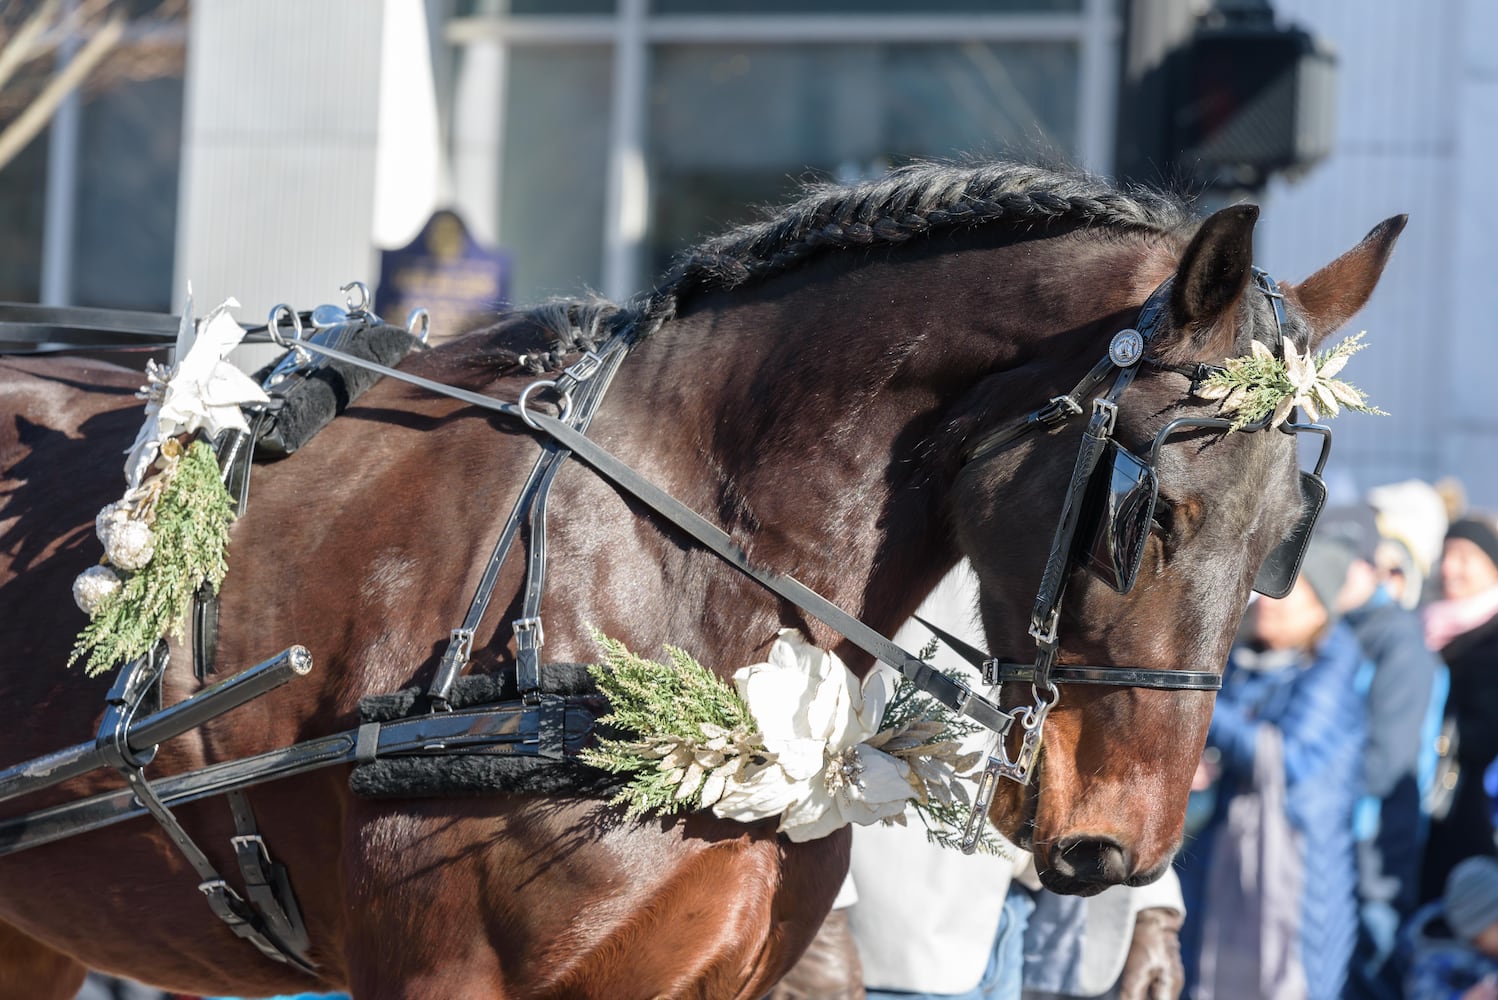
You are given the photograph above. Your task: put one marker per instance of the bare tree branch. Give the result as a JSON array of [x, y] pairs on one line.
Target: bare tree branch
[[31, 121], [19, 49]]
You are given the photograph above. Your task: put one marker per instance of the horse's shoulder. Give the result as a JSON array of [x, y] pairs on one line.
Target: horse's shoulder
[[42, 397]]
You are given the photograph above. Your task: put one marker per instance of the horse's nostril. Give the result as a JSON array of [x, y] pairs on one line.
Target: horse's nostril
[[1098, 860]]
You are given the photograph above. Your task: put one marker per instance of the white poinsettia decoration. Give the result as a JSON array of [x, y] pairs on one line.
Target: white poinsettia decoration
[[798, 738], [813, 714], [201, 391], [1259, 385]]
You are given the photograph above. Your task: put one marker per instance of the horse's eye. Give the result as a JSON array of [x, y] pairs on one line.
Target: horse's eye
[[1164, 520]]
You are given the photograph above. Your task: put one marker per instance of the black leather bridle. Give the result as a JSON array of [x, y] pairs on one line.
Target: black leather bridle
[[1127, 350]]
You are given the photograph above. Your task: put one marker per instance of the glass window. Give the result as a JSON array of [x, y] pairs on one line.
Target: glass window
[[23, 186], [130, 144], [555, 164], [735, 126], [494, 8], [863, 6]]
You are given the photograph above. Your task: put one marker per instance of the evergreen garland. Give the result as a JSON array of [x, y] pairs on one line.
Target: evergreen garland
[[1259, 384], [190, 518], [696, 734], [691, 717]]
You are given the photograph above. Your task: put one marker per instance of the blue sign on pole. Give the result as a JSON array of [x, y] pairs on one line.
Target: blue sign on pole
[[460, 283]]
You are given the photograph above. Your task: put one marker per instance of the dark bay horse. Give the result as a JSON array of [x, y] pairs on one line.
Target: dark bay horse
[[809, 384]]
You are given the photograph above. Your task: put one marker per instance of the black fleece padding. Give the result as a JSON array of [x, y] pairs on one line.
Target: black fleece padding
[[565, 679], [309, 401], [468, 775], [471, 775]]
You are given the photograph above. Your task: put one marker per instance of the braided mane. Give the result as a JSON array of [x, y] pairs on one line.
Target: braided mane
[[911, 201]]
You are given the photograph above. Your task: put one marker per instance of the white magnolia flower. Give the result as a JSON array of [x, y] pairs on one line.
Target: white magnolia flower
[[201, 391], [92, 586], [812, 713]]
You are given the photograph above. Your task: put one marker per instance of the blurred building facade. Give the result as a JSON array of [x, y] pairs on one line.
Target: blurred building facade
[[593, 138]]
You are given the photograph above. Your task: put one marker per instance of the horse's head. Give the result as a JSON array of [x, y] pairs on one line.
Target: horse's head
[[1106, 800]]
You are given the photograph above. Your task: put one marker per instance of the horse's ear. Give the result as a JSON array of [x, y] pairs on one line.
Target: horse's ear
[[1333, 294], [1214, 270]]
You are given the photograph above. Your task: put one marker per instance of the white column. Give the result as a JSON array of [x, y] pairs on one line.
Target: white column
[[307, 141], [1097, 90], [628, 201], [60, 213]]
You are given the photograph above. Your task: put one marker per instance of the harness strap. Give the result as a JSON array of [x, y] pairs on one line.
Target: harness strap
[[530, 508], [138, 681], [504, 729], [995, 671], [460, 644], [955, 695], [1053, 414], [266, 882], [591, 374]]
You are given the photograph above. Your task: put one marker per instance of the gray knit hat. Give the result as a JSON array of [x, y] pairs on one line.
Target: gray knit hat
[[1471, 899], [1325, 569]]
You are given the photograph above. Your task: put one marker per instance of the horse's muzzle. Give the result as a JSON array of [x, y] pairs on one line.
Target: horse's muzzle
[[1085, 866]]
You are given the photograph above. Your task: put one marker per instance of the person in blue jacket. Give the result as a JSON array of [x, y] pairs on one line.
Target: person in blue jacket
[[1270, 879], [1405, 695]]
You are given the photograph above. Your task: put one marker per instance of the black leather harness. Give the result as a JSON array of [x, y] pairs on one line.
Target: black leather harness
[[539, 724]]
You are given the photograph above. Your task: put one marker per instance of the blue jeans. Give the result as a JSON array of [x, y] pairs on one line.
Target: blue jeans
[[1006, 963]]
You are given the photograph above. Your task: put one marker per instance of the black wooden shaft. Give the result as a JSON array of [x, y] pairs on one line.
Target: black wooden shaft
[[220, 698], [54, 768]]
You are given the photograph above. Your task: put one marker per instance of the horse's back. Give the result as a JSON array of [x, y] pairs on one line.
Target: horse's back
[[64, 425]]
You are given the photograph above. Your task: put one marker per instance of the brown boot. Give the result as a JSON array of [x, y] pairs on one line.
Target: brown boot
[[829, 970]]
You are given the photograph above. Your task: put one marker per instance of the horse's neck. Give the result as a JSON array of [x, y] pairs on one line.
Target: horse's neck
[[811, 417]]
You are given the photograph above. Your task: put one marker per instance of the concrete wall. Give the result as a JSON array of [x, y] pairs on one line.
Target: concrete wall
[[310, 139], [1418, 96]]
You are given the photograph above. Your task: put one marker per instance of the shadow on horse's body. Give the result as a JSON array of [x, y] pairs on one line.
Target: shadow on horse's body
[[810, 387]]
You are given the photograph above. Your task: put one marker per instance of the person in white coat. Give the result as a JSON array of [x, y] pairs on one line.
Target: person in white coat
[[1122, 944], [932, 922]]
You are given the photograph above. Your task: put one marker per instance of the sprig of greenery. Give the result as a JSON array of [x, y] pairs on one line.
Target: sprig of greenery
[[191, 524], [690, 722], [1259, 384], [911, 709]]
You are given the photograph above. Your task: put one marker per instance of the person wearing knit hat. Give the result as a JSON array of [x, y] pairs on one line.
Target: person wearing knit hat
[[1471, 902], [1453, 943], [1463, 628], [1324, 570]]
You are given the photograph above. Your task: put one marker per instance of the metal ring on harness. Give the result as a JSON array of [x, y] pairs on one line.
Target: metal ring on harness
[[419, 324], [357, 302], [566, 396], [273, 325]]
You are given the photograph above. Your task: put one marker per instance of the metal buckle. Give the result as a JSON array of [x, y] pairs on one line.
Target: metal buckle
[[1108, 411], [989, 670], [584, 367], [529, 638], [1058, 410], [1044, 633], [460, 642], [529, 634]]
